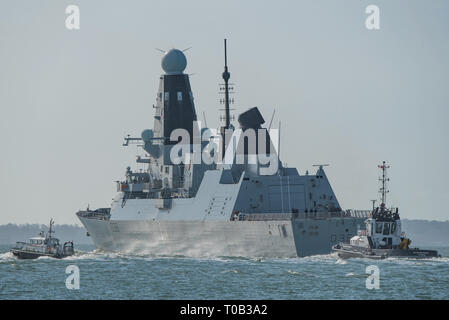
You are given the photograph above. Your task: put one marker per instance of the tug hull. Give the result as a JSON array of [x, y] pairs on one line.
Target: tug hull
[[23, 254], [346, 251]]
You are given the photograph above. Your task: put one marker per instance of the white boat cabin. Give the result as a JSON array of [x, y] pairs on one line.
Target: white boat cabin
[[380, 234]]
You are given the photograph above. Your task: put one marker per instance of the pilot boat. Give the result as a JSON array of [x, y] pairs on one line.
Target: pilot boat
[[43, 245], [383, 236]]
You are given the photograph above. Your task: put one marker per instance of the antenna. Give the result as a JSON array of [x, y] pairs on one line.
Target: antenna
[[279, 142], [226, 75], [128, 140], [374, 203], [204, 116], [50, 231], [383, 189], [272, 117], [227, 116]]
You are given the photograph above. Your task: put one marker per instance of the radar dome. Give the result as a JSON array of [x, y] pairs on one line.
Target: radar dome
[[147, 135], [174, 62]]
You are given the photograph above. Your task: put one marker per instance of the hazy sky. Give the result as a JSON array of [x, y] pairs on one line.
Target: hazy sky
[[345, 95]]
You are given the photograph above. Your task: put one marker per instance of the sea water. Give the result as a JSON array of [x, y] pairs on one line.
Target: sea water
[[105, 275]]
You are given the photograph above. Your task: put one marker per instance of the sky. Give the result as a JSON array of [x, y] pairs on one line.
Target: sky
[[345, 95]]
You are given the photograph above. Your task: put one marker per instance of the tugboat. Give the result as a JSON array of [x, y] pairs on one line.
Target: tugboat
[[383, 236], [43, 245]]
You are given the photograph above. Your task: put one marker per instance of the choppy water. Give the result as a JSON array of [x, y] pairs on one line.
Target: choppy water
[[122, 276]]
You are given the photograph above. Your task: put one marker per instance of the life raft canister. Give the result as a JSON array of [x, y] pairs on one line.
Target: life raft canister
[[123, 186], [405, 243]]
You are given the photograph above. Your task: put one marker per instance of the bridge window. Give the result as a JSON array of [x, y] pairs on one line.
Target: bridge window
[[393, 227], [167, 94], [379, 227], [179, 95], [386, 228]]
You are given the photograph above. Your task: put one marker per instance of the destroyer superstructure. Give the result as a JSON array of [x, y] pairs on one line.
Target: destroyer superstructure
[[221, 207]]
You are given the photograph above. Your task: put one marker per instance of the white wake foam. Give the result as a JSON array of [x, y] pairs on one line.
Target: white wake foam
[[7, 256]]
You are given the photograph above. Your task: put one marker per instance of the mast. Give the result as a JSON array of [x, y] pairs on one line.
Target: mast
[[226, 101], [50, 231], [226, 76], [383, 190]]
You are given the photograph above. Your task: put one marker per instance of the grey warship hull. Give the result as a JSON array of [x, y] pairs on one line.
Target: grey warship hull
[[269, 238]]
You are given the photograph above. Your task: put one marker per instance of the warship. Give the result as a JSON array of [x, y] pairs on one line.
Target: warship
[[215, 193], [43, 245], [383, 236]]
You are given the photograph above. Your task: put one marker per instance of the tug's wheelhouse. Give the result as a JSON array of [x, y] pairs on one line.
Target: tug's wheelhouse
[[383, 229]]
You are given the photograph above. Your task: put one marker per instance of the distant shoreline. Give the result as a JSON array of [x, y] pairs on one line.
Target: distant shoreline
[[422, 232], [10, 233]]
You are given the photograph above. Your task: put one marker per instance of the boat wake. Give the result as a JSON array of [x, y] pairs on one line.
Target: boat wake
[[415, 261], [7, 256], [397, 260], [341, 261]]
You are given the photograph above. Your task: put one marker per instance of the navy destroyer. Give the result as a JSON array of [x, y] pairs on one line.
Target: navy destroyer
[[220, 198], [383, 236]]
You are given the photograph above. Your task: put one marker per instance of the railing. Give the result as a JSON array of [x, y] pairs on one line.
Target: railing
[[359, 213], [264, 216], [303, 215], [94, 215]]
